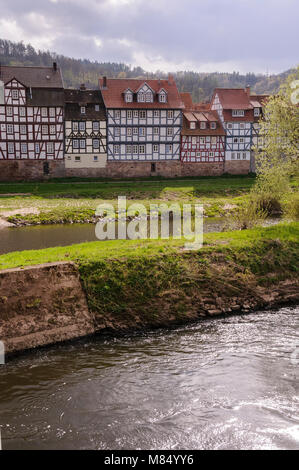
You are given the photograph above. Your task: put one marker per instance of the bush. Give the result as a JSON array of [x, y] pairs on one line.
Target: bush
[[291, 209], [267, 202], [247, 216]]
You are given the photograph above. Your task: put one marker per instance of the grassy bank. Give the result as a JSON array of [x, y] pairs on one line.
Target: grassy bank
[[62, 202], [139, 283], [76, 201]]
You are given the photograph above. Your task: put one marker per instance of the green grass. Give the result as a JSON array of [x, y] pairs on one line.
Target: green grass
[[117, 249]]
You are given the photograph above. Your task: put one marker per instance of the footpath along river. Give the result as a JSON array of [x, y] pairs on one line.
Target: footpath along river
[[225, 383]]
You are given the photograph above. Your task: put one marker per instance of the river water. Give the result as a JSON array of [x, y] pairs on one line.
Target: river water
[[225, 383]]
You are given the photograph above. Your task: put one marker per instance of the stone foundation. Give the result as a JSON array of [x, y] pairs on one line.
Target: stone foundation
[[18, 170]]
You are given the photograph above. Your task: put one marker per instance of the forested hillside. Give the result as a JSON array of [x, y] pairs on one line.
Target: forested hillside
[[77, 71]]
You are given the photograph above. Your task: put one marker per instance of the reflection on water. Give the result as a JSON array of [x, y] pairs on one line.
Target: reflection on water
[[44, 236], [227, 383]]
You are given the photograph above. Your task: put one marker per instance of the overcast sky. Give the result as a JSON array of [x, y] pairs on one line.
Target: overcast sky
[[170, 35]]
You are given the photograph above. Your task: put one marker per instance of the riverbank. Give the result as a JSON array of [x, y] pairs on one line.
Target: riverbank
[[145, 284]]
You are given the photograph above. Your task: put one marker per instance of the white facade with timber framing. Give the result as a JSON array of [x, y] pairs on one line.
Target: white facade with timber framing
[[144, 119], [85, 129], [31, 113], [239, 112]]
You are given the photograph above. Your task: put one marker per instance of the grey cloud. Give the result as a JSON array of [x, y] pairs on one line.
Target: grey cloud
[[194, 31]]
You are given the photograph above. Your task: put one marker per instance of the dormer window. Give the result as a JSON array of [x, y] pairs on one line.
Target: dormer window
[[213, 125], [149, 97], [140, 97], [202, 125], [256, 112], [192, 125], [162, 97], [15, 94], [128, 97], [238, 112], [83, 110]]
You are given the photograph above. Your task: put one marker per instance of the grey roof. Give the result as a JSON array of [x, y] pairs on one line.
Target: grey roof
[[34, 77]]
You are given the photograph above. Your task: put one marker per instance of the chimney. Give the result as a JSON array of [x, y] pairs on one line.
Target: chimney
[[104, 82], [170, 79], [55, 66], [247, 91], [82, 87]]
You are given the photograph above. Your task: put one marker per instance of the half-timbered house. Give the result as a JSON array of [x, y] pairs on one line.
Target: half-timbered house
[[202, 136], [85, 130], [31, 114], [144, 119]]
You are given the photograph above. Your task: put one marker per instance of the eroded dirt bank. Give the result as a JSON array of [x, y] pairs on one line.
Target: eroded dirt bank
[[42, 305]]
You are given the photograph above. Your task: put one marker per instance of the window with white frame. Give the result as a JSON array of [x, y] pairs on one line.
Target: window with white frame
[[142, 114], [168, 148], [116, 148], [82, 143], [202, 140], [238, 112], [9, 128], [244, 155], [83, 110], [229, 125], [82, 126], [256, 112], [52, 129], [156, 130], [52, 112], [213, 140], [129, 148], [238, 156], [95, 143], [169, 131], [129, 131], [44, 129], [95, 126], [213, 125], [10, 147], [192, 125], [75, 126], [135, 113], [155, 148], [211, 154], [135, 130], [75, 143], [149, 97], [36, 148], [202, 125], [15, 94], [9, 111], [140, 97], [135, 149], [142, 149], [129, 114], [117, 114], [141, 131], [242, 125], [117, 131], [156, 113], [241, 140], [23, 148], [162, 97], [128, 97], [22, 111], [97, 107], [170, 114], [233, 156], [50, 147], [23, 129], [44, 112]]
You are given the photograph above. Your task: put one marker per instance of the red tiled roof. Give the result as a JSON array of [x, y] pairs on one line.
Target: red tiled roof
[[34, 77], [206, 116], [233, 98], [187, 100], [114, 98], [261, 99]]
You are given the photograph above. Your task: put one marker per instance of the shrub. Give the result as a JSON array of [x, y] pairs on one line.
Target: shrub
[[247, 216], [291, 209]]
